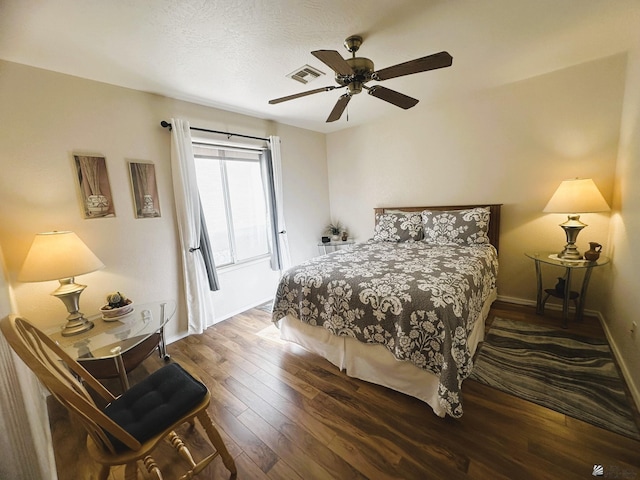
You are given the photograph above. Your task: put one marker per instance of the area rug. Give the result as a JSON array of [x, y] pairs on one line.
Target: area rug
[[266, 307], [573, 375]]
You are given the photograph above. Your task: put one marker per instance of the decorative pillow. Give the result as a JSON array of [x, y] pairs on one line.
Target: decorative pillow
[[398, 227], [456, 227]]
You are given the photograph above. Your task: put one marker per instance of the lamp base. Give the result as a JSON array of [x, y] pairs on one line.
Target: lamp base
[[571, 228], [69, 292], [570, 252], [76, 327]]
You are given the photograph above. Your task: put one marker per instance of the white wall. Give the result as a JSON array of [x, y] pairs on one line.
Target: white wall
[[511, 144], [49, 116], [23, 418], [622, 300]]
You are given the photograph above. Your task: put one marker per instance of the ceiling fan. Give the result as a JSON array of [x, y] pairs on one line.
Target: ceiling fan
[[353, 74]]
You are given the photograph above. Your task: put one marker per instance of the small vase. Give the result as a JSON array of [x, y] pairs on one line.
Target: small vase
[[594, 252], [345, 237], [148, 210], [97, 205]]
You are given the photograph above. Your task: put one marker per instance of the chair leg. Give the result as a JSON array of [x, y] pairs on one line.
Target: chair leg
[[103, 474], [217, 441], [181, 448], [152, 467]]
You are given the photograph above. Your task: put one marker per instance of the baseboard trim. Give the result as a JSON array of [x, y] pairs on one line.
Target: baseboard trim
[[633, 388], [549, 306], [181, 335]]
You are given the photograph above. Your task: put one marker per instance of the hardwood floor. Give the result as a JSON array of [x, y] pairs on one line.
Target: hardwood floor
[[287, 414]]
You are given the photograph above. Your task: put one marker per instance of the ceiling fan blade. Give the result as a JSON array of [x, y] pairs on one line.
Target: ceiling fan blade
[[430, 62], [303, 94], [334, 61], [398, 99], [339, 107]]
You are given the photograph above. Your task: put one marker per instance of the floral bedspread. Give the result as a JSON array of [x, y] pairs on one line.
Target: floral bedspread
[[412, 297]]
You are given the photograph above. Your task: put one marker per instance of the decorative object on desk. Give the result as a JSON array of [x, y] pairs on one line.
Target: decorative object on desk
[[117, 306], [94, 186], [345, 236], [145, 190], [593, 253], [571, 374], [560, 286], [573, 197], [326, 239], [334, 229], [62, 256]]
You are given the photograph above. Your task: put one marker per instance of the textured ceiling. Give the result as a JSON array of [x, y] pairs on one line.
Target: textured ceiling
[[234, 54]]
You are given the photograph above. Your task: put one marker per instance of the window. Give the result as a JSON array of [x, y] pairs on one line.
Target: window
[[233, 201]]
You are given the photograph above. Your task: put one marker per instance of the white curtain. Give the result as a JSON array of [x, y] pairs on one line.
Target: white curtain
[[196, 284], [283, 239]]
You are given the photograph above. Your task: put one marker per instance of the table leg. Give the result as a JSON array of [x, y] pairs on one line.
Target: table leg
[[583, 294], [162, 346], [539, 302], [122, 373], [565, 300]]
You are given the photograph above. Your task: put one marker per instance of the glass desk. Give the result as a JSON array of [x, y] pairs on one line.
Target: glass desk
[[114, 347], [551, 258]]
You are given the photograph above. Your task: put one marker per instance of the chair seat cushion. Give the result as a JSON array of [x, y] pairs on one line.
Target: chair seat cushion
[[154, 404]]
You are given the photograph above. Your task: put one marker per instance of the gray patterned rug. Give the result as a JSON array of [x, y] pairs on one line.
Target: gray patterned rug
[[266, 307], [570, 374]]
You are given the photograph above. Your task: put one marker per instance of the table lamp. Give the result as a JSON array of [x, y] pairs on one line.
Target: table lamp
[[61, 256], [573, 197]]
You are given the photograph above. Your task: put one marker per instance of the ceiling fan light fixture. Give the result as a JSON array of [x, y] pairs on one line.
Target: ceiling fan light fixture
[[355, 87], [355, 72]]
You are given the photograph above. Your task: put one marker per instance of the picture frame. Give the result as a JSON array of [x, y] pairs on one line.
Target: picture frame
[[95, 190], [144, 187]]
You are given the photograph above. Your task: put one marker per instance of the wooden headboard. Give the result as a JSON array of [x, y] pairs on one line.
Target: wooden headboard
[[494, 222]]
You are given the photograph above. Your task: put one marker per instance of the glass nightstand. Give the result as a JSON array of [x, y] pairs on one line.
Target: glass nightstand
[[567, 295]]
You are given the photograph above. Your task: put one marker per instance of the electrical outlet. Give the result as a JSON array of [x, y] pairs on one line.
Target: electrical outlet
[[634, 328]]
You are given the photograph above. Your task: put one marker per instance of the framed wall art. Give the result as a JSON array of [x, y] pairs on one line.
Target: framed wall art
[[94, 186], [145, 190]]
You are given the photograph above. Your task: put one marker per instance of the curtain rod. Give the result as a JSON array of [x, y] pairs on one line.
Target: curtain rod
[[166, 124]]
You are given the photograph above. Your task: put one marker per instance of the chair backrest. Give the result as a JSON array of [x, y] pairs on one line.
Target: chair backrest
[[65, 379]]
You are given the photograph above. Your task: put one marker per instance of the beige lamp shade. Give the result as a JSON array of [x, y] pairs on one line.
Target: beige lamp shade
[[57, 255], [577, 196]]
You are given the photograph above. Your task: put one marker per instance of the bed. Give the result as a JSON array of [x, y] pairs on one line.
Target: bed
[[405, 309]]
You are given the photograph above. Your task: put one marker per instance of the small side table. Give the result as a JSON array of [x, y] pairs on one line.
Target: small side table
[[333, 246], [550, 258]]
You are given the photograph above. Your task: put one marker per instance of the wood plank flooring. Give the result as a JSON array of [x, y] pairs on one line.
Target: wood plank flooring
[[285, 413]]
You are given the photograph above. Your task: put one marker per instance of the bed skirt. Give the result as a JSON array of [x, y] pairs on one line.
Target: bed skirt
[[374, 363]]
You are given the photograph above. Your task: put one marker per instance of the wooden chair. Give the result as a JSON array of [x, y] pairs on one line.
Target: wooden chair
[[131, 425]]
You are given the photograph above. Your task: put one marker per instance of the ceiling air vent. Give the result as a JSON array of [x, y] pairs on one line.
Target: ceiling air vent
[[305, 74]]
